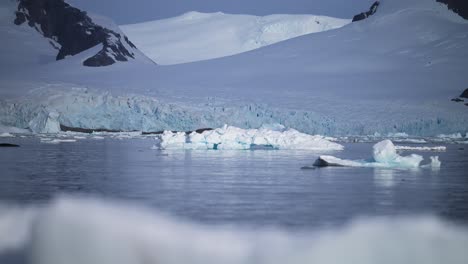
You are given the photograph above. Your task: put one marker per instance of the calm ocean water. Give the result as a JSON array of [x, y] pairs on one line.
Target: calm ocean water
[[261, 187]]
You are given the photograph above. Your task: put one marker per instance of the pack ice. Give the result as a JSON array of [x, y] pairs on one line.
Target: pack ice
[[384, 156]]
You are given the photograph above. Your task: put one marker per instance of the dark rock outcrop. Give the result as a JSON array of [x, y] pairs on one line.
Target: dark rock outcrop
[[88, 130], [464, 94], [74, 31], [320, 162], [457, 100], [8, 145], [95, 130], [367, 14], [458, 6]]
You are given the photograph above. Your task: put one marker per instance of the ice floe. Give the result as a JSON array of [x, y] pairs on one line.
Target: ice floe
[[229, 137], [435, 149], [384, 156], [6, 134]]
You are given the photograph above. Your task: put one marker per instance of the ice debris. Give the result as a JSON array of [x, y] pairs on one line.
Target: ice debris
[[6, 134], [384, 156], [230, 137], [436, 148]]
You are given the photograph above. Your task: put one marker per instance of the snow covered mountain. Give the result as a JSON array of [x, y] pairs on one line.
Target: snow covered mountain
[[458, 6], [198, 36], [60, 31], [395, 71]]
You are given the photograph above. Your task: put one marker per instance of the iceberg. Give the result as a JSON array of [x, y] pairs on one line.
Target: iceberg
[[230, 137], [384, 156]]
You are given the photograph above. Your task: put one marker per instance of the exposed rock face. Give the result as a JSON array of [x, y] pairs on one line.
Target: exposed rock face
[[72, 31], [458, 6], [464, 94], [365, 15]]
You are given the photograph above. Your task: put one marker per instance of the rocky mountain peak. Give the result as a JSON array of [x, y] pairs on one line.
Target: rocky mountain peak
[[72, 31]]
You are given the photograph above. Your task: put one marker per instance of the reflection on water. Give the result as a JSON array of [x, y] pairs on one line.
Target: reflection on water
[[261, 187], [384, 177]]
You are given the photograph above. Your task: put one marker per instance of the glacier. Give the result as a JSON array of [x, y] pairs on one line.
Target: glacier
[[384, 156], [229, 137], [44, 109]]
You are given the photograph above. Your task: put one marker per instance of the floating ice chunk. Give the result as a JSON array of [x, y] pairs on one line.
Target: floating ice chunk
[[6, 134], [170, 140], [384, 151], [411, 140], [398, 135], [384, 154], [437, 148], [57, 141], [451, 136], [229, 137], [435, 162]]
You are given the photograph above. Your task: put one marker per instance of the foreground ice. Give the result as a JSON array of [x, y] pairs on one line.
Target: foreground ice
[[384, 156], [75, 231], [229, 137]]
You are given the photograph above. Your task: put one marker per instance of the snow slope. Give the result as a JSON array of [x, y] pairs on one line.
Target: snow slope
[[394, 72], [198, 36], [35, 50]]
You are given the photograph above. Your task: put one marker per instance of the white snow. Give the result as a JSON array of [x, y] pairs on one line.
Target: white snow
[[363, 78], [76, 231], [198, 36], [229, 137], [384, 156]]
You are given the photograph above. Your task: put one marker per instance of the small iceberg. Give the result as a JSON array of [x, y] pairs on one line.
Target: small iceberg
[[6, 134], [229, 137], [384, 156]]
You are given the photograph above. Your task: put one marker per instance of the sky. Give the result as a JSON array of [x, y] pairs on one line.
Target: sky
[[133, 11]]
